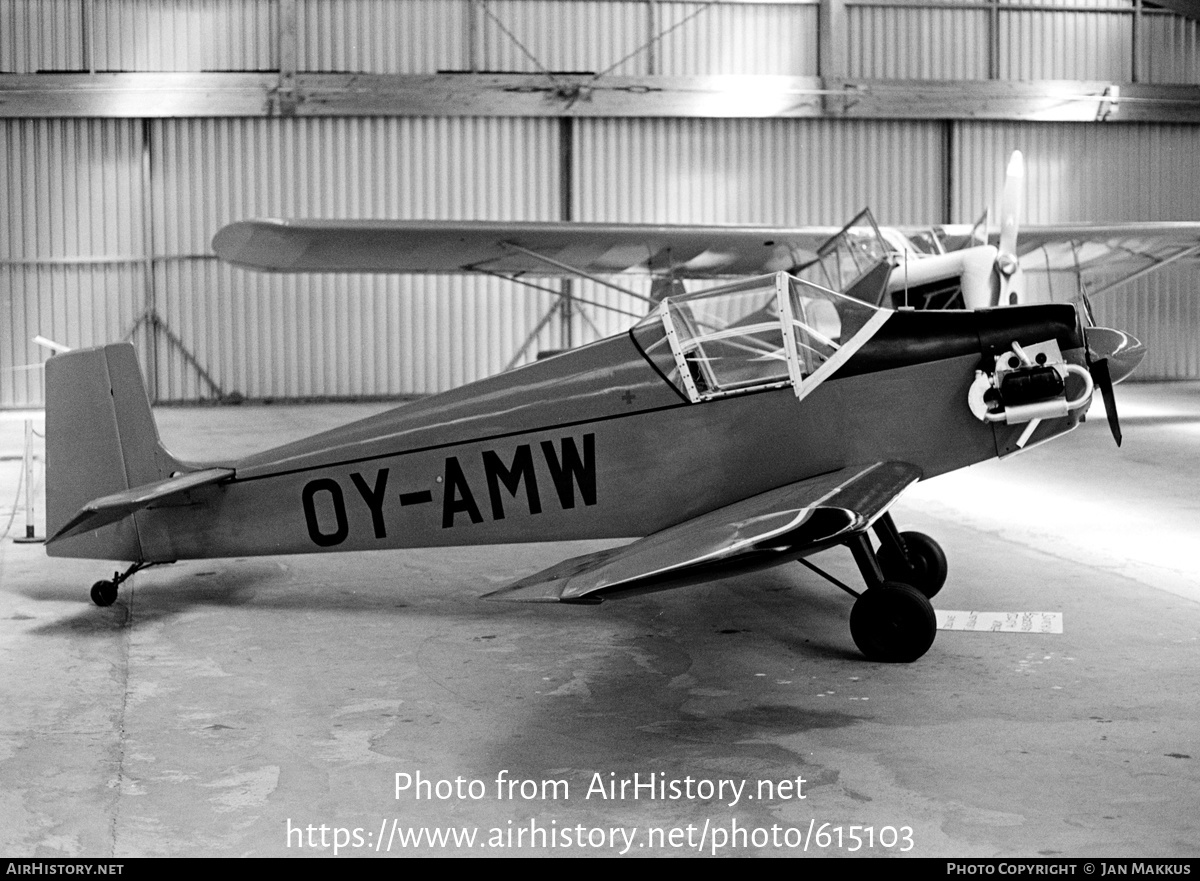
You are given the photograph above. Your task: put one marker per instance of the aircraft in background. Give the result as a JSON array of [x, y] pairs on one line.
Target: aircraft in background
[[933, 267], [729, 430]]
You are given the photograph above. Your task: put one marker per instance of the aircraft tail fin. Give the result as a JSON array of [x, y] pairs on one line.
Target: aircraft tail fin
[[100, 440]]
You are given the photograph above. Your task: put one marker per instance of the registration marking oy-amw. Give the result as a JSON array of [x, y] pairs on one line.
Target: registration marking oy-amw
[[1000, 622]]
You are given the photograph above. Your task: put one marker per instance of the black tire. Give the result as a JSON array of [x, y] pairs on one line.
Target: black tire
[[893, 623], [104, 593], [925, 567]]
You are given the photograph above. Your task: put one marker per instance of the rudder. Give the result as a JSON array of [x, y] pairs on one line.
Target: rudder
[[100, 439]]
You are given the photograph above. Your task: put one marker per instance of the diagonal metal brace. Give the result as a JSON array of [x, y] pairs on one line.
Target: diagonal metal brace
[[565, 267]]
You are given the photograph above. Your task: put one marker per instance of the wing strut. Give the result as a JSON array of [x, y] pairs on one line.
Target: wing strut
[[835, 582], [1153, 267], [548, 290], [550, 261], [532, 338]]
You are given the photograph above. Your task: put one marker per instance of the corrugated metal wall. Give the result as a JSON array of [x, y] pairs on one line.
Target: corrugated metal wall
[[412, 36], [1021, 40], [905, 42], [1175, 56], [133, 35], [1080, 172], [725, 39], [137, 35], [1071, 45], [41, 35], [534, 35], [74, 248], [757, 170], [107, 222], [271, 336], [748, 171], [72, 243], [1032, 39], [417, 36]]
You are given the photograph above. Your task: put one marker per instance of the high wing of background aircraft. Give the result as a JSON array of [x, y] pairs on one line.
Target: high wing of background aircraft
[[926, 268], [729, 430], [934, 267]]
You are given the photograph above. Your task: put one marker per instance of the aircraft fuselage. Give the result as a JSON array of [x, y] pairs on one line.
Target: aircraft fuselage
[[597, 443]]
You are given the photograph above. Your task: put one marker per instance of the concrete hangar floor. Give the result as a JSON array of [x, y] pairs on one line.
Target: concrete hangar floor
[[267, 706]]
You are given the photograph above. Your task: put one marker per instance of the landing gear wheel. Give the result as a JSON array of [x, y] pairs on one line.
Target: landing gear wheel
[[925, 567], [893, 622], [104, 593]]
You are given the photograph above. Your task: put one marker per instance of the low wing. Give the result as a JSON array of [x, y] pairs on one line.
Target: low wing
[[109, 509], [534, 248], [774, 527]]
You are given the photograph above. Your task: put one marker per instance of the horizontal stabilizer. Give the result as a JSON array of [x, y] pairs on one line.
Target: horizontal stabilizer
[[109, 509], [764, 530]]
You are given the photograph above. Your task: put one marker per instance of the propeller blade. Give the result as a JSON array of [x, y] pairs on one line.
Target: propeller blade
[[1089, 314], [1111, 355], [1010, 207], [1103, 380], [1006, 283]]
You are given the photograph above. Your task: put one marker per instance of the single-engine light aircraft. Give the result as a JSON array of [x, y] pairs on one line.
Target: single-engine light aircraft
[[933, 267], [728, 430]]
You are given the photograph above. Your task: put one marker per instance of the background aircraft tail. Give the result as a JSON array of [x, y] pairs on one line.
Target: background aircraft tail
[[100, 439]]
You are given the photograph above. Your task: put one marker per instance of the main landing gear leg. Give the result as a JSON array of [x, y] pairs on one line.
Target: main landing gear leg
[[911, 557], [891, 620], [104, 593]]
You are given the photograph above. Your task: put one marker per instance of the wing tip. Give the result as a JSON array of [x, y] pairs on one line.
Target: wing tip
[[552, 585], [263, 244], [520, 594]]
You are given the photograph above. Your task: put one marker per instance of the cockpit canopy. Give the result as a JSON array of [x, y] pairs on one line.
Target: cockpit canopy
[[851, 254], [767, 332], [905, 269]]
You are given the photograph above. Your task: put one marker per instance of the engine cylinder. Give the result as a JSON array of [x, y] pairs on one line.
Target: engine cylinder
[[1025, 385]]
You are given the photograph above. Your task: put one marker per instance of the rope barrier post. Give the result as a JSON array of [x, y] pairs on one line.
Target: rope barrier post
[[29, 537]]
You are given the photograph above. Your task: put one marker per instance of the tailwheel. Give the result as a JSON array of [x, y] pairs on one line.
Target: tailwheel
[[893, 622], [104, 593], [922, 564]]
